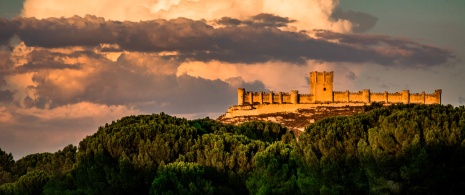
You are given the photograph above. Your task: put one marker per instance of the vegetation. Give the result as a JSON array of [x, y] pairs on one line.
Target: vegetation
[[401, 149]]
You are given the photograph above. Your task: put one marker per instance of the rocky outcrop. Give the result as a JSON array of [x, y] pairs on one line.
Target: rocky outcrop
[[297, 120]]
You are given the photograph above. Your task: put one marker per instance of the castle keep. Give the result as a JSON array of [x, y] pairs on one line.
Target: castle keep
[[321, 91]]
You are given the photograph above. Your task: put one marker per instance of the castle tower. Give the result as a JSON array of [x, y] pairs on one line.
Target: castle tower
[[366, 95], [438, 93], [321, 86], [405, 96], [294, 97], [240, 96]]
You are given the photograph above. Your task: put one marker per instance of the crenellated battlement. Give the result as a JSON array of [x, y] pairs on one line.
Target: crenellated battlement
[[321, 91]]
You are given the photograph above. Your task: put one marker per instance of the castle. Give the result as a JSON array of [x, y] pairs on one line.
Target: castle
[[299, 110], [321, 91]]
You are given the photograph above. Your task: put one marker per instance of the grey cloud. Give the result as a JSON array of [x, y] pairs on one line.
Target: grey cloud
[[362, 21], [462, 100], [7, 30], [260, 20], [228, 21], [392, 51], [270, 20], [238, 82], [257, 40], [351, 75], [127, 82], [42, 59], [6, 96]]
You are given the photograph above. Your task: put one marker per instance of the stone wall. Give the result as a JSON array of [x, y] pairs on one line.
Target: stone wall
[[321, 91], [365, 96]]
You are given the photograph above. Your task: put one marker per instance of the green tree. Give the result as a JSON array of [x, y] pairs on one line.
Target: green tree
[[182, 178], [275, 171], [32, 183]]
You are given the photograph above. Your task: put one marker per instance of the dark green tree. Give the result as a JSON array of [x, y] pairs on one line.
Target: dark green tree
[[182, 178]]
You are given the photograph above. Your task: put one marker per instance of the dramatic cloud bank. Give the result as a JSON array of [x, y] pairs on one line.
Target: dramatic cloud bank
[[313, 14], [257, 39]]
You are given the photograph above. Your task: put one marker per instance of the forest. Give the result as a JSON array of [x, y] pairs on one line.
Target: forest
[[400, 149]]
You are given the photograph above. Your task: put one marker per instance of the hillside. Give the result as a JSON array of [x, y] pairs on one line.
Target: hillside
[[401, 149], [300, 118]]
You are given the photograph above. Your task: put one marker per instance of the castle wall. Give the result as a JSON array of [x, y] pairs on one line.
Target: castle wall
[[266, 98], [251, 98], [434, 98], [431, 99], [417, 98], [306, 99], [340, 96], [276, 98], [395, 97], [321, 91], [286, 98], [378, 97], [355, 96]]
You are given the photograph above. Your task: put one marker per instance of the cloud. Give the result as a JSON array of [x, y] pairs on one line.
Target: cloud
[[308, 14], [361, 22], [6, 96], [275, 75], [7, 30], [256, 39], [260, 20], [390, 50], [462, 100], [48, 79]]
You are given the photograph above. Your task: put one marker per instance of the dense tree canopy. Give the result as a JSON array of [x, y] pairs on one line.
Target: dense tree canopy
[[395, 150]]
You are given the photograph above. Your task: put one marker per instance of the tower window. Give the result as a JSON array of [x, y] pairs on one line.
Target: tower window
[[324, 89]]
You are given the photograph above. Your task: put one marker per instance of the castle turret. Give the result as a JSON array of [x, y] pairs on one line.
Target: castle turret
[[405, 96], [386, 95], [250, 97], [240, 96], [366, 95], [438, 93], [271, 97], [294, 97]]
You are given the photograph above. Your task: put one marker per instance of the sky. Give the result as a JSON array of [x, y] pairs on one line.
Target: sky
[[68, 67]]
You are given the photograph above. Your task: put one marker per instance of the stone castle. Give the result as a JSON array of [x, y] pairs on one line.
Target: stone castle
[[321, 94]]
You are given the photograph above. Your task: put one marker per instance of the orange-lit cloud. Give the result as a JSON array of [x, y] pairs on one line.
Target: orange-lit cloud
[[310, 14], [277, 76], [256, 39]]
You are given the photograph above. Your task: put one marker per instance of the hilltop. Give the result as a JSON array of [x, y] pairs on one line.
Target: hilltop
[[297, 111], [299, 119]]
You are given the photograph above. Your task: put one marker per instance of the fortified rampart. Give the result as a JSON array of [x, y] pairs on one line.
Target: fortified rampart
[[321, 95], [321, 91]]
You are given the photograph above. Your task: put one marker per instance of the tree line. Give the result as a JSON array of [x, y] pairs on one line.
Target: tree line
[[400, 149]]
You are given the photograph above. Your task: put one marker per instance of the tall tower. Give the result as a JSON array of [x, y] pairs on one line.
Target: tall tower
[[321, 86], [240, 96]]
